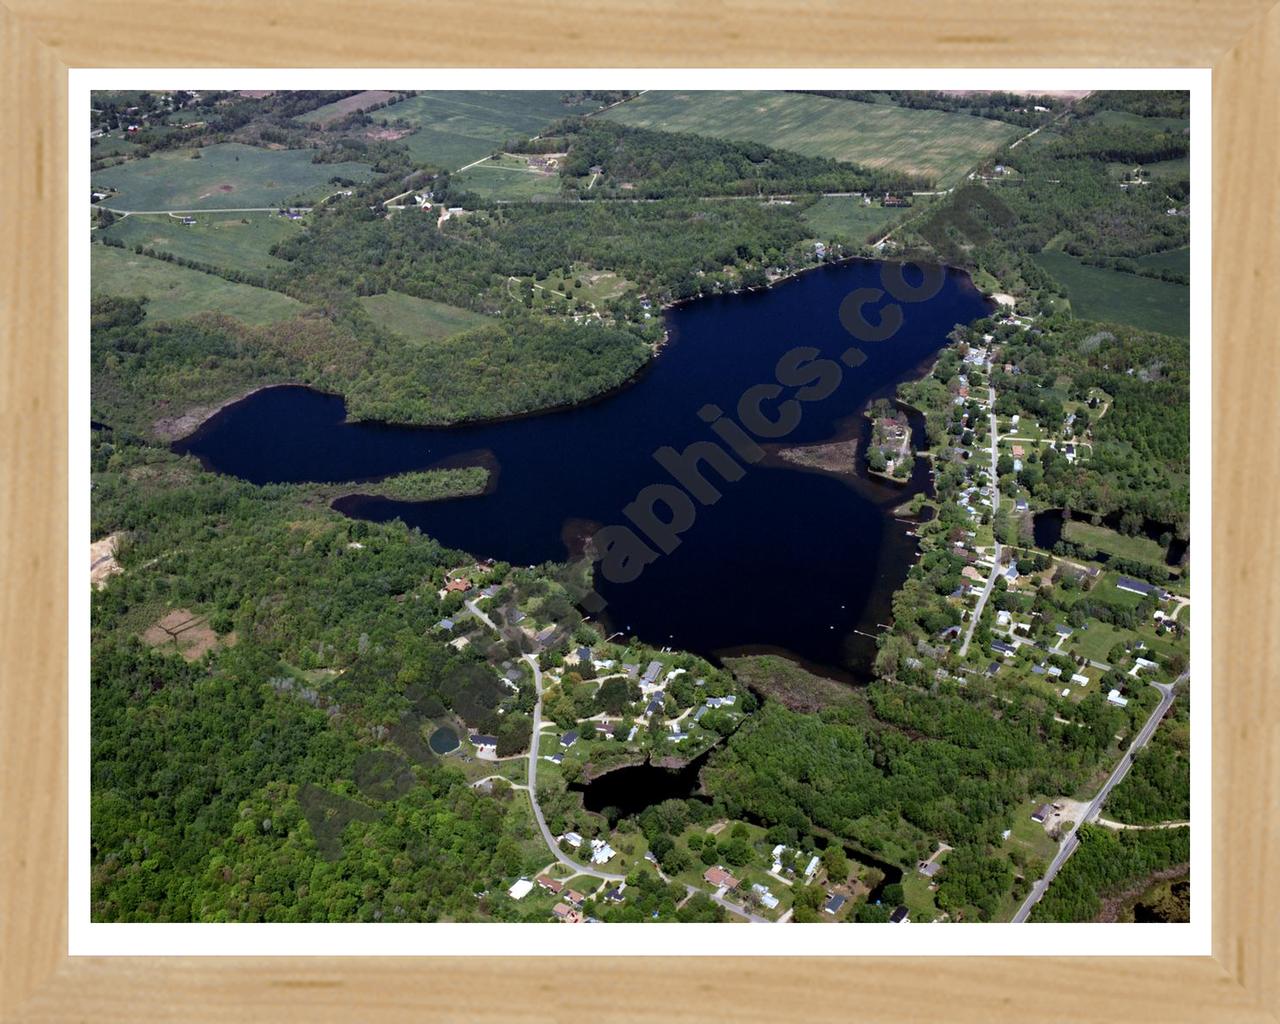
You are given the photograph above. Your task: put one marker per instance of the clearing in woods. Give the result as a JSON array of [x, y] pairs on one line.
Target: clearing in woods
[[938, 145], [185, 632], [455, 128], [174, 292], [227, 175], [419, 320]]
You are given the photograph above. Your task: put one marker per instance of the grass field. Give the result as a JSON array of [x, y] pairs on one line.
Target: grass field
[[508, 181], [1100, 294], [1161, 170], [239, 241], [847, 219], [227, 176], [349, 105], [175, 291], [419, 320], [455, 128], [1171, 259], [933, 143], [1141, 548]]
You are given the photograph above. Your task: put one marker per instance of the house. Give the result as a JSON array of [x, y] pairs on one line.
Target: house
[[697, 715], [1041, 814], [720, 878], [1114, 698], [767, 899], [1079, 680], [446, 625], [778, 851], [1000, 647], [573, 839], [521, 889], [569, 739], [459, 643], [1055, 671], [566, 914], [971, 573], [1021, 505], [1011, 574], [1004, 617], [584, 655], [516, 617], [929, 868], [601, 852], [1063, 631], [574, 897], [900, 915], [722, 702], [188, 221], [614, 895], [654, 706], [833, 905], [811, 867], [556, 758], [1065, 693], [651, 673], [485, 744], [1140, 587], [549, 883], [544, 635], [677, 734], [489, 591]]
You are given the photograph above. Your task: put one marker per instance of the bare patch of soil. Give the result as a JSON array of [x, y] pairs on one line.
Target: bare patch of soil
[[102, 560], [185, 632]]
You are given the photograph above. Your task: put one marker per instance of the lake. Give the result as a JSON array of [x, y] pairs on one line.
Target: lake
[[790, 560]]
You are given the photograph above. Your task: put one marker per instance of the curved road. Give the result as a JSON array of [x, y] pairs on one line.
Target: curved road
[[1068, 845]]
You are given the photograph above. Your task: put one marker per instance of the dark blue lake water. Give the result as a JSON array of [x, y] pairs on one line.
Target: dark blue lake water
[[791, 560]]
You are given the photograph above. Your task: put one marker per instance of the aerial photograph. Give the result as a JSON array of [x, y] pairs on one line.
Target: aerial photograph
[[650, 506]]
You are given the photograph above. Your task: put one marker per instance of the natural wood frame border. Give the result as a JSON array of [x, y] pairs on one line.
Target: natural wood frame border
[[40, 39]]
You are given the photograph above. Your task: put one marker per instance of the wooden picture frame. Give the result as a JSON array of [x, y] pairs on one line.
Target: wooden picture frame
[[41, 39]]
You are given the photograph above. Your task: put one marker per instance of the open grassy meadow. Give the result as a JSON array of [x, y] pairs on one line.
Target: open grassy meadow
[[454, 127], [508, 179], [236, 241], [226, 176], [1140, 548], [1100, 294], [1171, 259], [939, 145], [848, 219], [419, 320], [173, 291]]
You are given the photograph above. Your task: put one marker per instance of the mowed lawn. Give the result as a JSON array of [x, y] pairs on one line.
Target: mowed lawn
[[236, 241], [932, 143], [1140, 547], [848, 219], [1100, 294], [226, 176], [419, 320], [454, 127], [173, 291]]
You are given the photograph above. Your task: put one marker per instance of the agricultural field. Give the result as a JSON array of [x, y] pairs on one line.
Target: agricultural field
[[235, 241], [226, 176], [847, 219], [508, 179], [455, 128], [341, 108], [419, 320], [938, 145], [1100, 294], [173, 291]]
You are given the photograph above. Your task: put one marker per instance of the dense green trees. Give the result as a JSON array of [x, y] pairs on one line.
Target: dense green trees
[[645, 164]]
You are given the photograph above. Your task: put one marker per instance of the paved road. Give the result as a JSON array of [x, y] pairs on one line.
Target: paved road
[[547, 837], [995, 504], [1068, 846]]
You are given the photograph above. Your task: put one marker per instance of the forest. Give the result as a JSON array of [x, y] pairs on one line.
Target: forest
[[1106, 864]]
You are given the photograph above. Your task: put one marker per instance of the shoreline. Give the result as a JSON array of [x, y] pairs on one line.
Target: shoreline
[[174, 429]]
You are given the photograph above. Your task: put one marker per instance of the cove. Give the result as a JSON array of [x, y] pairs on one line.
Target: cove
[[787, 559]]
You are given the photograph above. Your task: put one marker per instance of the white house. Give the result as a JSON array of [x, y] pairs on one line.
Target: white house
[[1114, 698], [521, 889]]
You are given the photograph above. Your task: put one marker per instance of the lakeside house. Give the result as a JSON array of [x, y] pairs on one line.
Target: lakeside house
[[485, 744], [900, 915], [834, 904], [1141, 587]]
